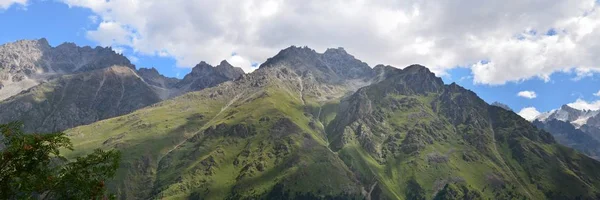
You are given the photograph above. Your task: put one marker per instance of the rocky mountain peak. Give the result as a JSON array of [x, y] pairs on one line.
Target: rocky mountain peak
[[336, 51], [295, 50], [67, 45], [43, 42], [201, 68], [416, 68], [26, 63], [568, 108], [421, 79], [384, 71], [332, 66], [569, 114], [154, 78], [149, 71], [224, 63], [204, 75], [228, 70]]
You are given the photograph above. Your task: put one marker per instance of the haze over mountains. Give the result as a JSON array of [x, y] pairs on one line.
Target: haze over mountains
[[305, 125]]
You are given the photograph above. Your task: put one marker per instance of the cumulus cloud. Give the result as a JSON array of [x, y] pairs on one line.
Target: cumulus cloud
[[5, 4], [518, 39], [527, 94], [584, 105], [529, 113], [597, 93]]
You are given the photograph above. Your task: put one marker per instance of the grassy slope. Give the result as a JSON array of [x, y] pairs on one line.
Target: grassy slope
[[393, 173], [270, 142], [215, 147], [505, 159]]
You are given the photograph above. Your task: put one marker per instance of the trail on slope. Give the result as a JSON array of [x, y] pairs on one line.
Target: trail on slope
[[499, 157], [98, 90], [122, 92], [62, 97], [185, 138], [301, 90], [368, 196], [319, 114], [227, 105]]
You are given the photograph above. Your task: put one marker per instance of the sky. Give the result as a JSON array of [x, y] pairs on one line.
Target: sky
[[532, 55]]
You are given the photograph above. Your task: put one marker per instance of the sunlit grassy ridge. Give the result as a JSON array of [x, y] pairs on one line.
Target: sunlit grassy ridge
[[210, 143]]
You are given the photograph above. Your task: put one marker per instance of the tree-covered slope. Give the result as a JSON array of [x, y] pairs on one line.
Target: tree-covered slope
[[304, 127]]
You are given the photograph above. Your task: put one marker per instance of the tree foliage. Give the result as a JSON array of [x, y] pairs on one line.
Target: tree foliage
[[31, 167]]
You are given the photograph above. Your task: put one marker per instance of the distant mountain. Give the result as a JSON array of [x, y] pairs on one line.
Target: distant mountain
[[309, 125], [568, 114], [578, 129], [56, 88], [204, 75], [567, 134]]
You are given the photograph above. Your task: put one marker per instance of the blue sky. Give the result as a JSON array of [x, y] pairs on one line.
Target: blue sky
[[215, 38]]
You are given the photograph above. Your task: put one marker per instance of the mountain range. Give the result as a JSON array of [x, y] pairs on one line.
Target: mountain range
[[305, 125], [578, 129], [56, 88]]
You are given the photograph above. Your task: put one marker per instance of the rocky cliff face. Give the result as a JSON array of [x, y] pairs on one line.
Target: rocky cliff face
[[309, 125], [26, 63], [78, 99]]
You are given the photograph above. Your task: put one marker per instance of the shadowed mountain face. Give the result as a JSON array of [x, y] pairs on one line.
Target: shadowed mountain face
[[77, 99], [56, 88], [310, 125]]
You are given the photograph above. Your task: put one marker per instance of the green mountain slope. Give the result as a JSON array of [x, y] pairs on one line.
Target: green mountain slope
[[300, 128]]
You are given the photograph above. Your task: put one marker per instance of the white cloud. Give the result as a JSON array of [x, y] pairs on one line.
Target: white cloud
[[529, 113], [597, 93], [527, 94], [111, 34], [439, 34], [584, 105], [5, 4], [239, 61]]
